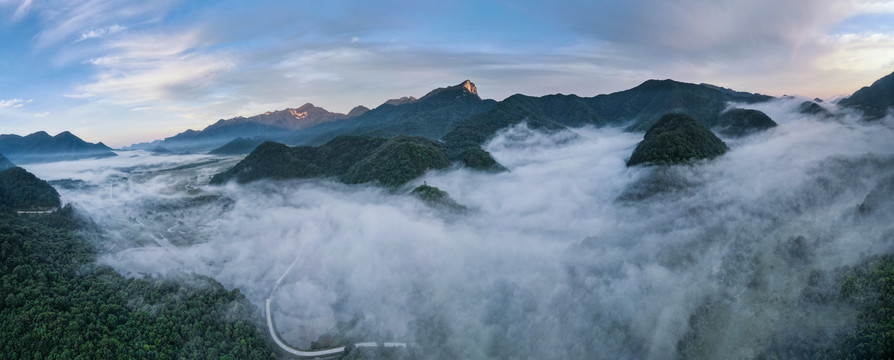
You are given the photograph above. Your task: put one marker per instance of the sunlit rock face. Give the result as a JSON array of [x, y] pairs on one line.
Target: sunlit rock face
[[470, 87]]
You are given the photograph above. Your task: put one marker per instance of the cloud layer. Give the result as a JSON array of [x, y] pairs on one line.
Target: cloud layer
[[551, 261]]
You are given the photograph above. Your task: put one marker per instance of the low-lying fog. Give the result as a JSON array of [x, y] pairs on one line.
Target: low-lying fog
[[569, 255]]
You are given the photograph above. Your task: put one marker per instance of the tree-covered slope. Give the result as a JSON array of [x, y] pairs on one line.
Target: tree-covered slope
[[350, 159], [237, 146], [548, 112], [57, 303], [21, 190], [873, 100], [397, 161], [741, 122], [436, 198], [5, 163], [812, 108], [676, 138]]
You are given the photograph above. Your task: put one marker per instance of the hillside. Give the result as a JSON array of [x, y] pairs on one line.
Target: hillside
[[41, 147], [58, 303], [676, 138], [349, 159], [742, 122], [397, 161], [812, 108], [237, 146], [874, 100], [437, 198], [636, 109], [5, 163], [21, 190]]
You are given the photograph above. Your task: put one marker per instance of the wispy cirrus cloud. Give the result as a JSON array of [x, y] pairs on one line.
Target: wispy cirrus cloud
[[80, 20], [101, 32], [154, 69], [14, 103], [21, 8]]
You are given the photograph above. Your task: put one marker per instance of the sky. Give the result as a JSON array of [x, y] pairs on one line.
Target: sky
[[129, 71]]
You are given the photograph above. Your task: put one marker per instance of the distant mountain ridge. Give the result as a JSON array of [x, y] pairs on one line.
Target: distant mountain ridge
[[271, 124], [460, 117], [41, 147], [431, 116], [637, 109], [294, 119], [874, 100]]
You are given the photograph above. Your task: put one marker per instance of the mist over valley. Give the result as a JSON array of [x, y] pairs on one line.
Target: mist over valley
[[566, 250]]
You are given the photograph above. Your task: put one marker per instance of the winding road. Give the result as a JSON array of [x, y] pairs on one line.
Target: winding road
[[166, 245], [326, 353]]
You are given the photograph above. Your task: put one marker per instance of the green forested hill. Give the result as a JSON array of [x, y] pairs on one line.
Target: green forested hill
[[674, 139], [21, 190], [353, 160], [56, 303], [741, 122]]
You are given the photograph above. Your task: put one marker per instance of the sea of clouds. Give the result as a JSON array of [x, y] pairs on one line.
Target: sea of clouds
[[569, 254]]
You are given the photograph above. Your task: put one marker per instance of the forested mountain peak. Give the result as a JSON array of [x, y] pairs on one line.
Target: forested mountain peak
[[676, 138]]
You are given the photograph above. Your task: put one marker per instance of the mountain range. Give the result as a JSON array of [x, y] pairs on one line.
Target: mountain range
[[272, 124], [458, 116], [41, 147]]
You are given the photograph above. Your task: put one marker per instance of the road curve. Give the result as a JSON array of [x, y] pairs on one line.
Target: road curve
[[326, 353]]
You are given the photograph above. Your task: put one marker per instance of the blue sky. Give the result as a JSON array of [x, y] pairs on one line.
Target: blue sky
[[128, 71]]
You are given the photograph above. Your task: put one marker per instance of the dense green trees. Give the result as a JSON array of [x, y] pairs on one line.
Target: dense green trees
[[353, 160], [21, 190], [436, 198], [674, 139], [741, 122], [874, 100], [5, 163], [55, 303], [870, 286], [397, 161]]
